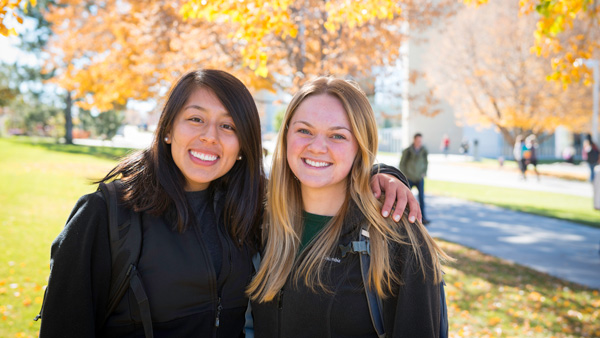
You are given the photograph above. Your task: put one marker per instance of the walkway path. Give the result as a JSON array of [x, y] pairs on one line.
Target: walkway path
[[559, 248], [455, 169]]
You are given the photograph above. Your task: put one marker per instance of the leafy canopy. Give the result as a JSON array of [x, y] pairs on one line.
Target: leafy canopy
[[566, 30], [8, 7], [111, 51]]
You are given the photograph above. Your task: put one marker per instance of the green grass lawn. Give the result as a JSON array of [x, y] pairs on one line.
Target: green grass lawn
[[38, 188], [572, 208], [490, 297], [39, 184]]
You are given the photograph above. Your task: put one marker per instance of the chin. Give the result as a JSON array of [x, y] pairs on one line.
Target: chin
[[315, 185]]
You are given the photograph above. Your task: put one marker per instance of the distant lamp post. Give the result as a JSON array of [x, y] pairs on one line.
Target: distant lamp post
[[595, 66]]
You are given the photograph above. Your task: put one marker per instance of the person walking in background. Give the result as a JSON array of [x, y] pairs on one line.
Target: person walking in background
[[464, 147], [530, 154], [591, 154], [476, 150], [445, 146], [414, 164], [518, 154]]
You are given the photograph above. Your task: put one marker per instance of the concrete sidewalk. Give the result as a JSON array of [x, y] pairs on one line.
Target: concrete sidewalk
[[560, 248], [454, 169]]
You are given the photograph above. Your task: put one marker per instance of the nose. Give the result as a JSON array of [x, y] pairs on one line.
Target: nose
[[209, 133], [318, 144]]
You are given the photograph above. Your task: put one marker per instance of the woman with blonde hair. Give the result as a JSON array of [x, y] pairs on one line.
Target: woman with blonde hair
[[310, 282]]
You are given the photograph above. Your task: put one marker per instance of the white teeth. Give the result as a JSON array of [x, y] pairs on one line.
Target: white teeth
[[204, 157], [316, 164]]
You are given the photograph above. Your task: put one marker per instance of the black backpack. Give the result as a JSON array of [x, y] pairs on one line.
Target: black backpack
[[125, 248], [363, 248]]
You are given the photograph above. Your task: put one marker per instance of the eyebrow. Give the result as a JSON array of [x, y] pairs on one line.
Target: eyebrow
[[197, 107], [332, 128]]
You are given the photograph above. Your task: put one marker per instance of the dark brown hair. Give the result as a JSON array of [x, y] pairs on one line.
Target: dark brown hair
[[153, 182]]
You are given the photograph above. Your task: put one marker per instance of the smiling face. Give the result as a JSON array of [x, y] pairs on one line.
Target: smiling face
[[320, 144], [203, 140]]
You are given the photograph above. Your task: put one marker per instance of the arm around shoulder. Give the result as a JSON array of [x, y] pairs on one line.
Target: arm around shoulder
[[80, 268], [387, 169]]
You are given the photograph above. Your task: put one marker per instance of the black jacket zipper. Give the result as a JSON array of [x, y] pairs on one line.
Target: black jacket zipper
[[219, 308], [224, 242]]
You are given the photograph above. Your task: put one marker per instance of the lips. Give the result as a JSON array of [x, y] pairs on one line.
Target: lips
[[316, 164], [204, 156]]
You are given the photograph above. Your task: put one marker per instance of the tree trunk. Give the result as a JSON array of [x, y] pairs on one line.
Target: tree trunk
[[68, 119]]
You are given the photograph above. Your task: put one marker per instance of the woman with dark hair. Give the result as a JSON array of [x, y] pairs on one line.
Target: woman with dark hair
[[199, 189], [199, 192]]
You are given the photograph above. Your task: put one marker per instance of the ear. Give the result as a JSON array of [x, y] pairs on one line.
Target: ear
[[168, 139]]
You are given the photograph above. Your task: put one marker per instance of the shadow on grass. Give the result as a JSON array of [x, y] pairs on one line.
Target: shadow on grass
[[51, 144], [505, 273], [512, 287]]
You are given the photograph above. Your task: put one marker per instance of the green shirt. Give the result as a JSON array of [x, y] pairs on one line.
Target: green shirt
[[312, 225]]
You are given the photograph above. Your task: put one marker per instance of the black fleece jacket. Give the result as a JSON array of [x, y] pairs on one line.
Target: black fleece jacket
[[412, 311], [176, 271]]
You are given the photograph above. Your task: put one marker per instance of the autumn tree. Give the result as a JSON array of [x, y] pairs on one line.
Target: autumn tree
[[491, 77], [112, 51], [565, 31], [10, 8], [296, 39]]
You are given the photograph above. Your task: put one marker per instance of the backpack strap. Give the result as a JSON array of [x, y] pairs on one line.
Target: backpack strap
[[363, 248], [443, 311], [125, 250]]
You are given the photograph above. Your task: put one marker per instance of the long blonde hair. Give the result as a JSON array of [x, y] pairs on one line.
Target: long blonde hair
[[283, 225]]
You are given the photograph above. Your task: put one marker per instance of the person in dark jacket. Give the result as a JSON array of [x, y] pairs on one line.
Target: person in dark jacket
[[199, 189], [591, 154], [308, 285], [530, 154], [413, 164]]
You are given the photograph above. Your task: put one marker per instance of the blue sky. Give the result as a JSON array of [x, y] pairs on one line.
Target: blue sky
[[11, 54], [8, 52]]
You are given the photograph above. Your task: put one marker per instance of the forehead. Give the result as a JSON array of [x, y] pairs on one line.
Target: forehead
[[321, 109], [206, 99]]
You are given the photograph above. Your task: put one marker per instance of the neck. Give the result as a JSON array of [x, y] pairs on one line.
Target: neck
[[323, 201]]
